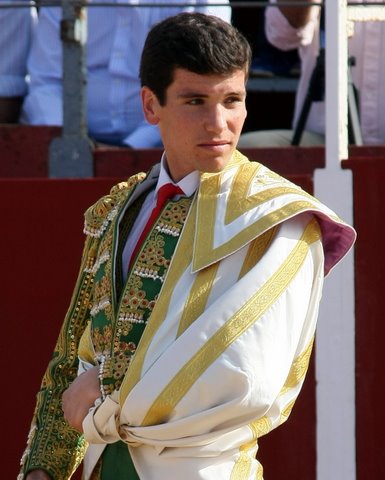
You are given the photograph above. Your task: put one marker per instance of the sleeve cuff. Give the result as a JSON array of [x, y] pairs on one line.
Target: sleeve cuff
[[145, 136], [100, 425]]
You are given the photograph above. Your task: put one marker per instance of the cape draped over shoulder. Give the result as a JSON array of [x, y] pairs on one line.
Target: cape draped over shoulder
[[226, 349]]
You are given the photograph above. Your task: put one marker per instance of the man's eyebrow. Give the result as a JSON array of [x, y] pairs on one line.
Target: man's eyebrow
[[193, 94]]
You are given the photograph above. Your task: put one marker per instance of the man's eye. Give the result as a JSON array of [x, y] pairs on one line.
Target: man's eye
[[230, 100], [195, 101]]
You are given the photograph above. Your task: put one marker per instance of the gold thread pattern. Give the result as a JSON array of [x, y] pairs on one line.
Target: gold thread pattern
[[198, 296], [242, 467], [298, 369], [257, 249], [99, 215], [286, 412], [205, 253], [248, 173], [55, 447], [259, 472], [261, 427], [210, 197]]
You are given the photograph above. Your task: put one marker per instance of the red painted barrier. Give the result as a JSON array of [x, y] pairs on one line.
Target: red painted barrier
[[41, 245], [41, 242]]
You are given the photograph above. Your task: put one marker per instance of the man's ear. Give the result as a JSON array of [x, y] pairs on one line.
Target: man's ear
[[150, 105]]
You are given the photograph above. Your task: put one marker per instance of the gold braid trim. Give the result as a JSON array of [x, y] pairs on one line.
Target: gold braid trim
[[52, 444], [101, 213]]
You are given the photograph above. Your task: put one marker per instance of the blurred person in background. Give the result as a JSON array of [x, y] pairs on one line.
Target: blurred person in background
[[16, 31], [115, 40], [289, 27]]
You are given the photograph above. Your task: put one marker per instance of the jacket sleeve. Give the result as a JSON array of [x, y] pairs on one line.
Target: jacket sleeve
[[52, 445]]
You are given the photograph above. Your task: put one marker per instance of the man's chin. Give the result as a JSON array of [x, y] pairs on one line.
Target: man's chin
[[217, 164]]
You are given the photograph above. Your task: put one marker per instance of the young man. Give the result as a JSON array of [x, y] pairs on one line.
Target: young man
[[182, 346]]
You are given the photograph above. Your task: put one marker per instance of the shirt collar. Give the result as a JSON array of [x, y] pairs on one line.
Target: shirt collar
[[188, 184]]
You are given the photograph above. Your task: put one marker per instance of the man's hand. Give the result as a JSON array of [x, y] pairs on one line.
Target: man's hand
[[37, 475], [80, 396], [298, 17]]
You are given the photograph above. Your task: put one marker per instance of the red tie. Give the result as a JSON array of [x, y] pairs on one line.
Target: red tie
[[166, 191]]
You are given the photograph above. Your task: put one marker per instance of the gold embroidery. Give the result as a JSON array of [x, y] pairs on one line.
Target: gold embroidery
[[242, 467], [240, 202], [259, 472], [198, 296], [260, 427], [102, 337], [99, 215], [86, 349], [248, 173], [205, 224], [164, 404], [240, 188], [56, 448], [298, 369], [286, 411], [205, 253], [256, 250]]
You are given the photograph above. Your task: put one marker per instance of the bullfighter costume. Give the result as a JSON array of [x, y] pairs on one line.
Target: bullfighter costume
[[205, 347]]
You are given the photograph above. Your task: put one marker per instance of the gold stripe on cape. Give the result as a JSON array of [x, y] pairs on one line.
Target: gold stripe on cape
[[259, 303]]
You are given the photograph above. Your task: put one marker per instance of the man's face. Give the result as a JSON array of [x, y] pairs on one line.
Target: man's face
[[201, 120]]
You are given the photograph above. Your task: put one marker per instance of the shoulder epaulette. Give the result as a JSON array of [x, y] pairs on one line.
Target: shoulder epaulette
[[100, 214]]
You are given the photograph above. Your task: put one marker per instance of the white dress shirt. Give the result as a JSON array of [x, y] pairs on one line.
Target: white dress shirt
[[115, 39], [16, 29], [367, 45]]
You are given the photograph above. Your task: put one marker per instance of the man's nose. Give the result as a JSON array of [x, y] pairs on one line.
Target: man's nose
[[216, 119]]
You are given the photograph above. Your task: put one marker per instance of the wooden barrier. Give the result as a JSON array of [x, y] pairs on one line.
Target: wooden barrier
[[43, 243]]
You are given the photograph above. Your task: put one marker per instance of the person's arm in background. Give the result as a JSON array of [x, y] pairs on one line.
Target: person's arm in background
[[291, 27], [43, 104], [16, 29], [144, 136], [298, 17]]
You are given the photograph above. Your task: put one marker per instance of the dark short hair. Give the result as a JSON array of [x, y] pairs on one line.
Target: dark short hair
[[200, 43]]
